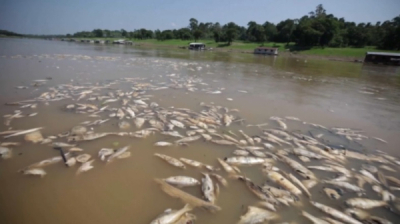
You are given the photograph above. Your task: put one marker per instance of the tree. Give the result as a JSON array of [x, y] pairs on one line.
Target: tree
[[230, 32], [124, 33], [98, 33], [197, 34], [193, 23], [270, 31]]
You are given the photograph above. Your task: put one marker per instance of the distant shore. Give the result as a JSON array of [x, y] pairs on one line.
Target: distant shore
[[347, 54]]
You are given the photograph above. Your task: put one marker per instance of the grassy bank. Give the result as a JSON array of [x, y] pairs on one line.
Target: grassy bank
[[241, 46]]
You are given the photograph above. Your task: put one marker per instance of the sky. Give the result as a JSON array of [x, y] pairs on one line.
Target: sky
[[70, 16]]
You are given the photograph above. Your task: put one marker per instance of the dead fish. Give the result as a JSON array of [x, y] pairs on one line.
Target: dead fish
[[229, 138], [187, 218], [281, 124], [85, 167], [241, 152], [257, 215], [296, 166], [283, 182], [298, 182], [229, 169], [139, 122], [222, 142], [162, 144], [5, 153], [171, 160], [309, 183], [267, 205], [365, 203], [357, 213], [83, 158], [182, 181], [256, 190], [369, 175], [192, 162], [206, 137], [219, 178], [105, 152], [23, 132], [335, 213], [304, 159], [241, 160], [387, 168], [177, 124], [117, 153], [248, 139], [62, 144], [171, 217], [6, 144], [207, 188], [187, 198], [346, 185], [124, 125], [227, 119], [172, 133], [314, 219], [130, 112], [71, 162], [46, 162], [393, 180], [331, 193], [304, 152], [188, 139], [35, 172]]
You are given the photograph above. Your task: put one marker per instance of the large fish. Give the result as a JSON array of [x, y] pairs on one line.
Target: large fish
[[335, 213], [283, 182], [171, 217], [365, 203], [187, 198], [207, 188], [300, 169], [182, 181], [171, 160], [23, 132], [85, 167], [117, 153], [241, 160], [256, 215]]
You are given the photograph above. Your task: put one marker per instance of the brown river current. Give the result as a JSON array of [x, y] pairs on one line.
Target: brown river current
[[365, 99]]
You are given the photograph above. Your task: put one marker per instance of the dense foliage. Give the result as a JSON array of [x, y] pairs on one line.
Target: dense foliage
[[315, 29]]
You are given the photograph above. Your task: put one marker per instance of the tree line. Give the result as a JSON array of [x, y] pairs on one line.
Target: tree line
[[315, 29]]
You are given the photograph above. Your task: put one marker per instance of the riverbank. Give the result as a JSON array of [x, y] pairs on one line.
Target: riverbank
[[349, 54]]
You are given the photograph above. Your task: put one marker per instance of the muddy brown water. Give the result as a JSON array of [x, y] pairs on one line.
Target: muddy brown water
[[316, 91]]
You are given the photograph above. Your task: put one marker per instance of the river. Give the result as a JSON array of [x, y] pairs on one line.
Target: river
[[329, 93]]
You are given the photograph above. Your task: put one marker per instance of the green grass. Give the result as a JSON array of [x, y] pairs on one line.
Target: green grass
[[248, 47], [344, 52]]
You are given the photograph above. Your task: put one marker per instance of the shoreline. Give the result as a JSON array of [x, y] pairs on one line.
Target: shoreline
[[281, 53]]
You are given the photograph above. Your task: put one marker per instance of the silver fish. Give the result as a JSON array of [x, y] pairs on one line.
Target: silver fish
[[117, 153], [85, 167], [335, 213], [182, 181], [35, 171], [171, 217], [257, 215], [171, 160], [207, 188], [241, 160]]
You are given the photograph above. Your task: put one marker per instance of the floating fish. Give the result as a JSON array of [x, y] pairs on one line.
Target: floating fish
[[182, 181], [171, 160]]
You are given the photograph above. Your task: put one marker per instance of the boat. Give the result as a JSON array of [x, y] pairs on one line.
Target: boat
[[266, 50], [197, 46]]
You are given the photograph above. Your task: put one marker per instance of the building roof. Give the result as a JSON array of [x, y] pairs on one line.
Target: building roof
[[384, 54], [268, 48], [197, 44]]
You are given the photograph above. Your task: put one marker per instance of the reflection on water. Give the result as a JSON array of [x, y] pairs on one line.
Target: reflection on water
[[333, 94]]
